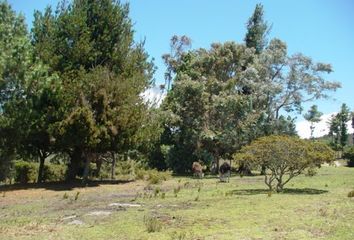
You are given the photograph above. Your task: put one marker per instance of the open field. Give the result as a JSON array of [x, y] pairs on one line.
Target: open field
[[185, 208]]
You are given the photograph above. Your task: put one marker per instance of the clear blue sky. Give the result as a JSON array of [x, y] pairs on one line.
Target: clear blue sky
[[322, 29]]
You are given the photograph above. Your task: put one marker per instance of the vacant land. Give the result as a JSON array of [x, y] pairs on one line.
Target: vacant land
[[183, 208]]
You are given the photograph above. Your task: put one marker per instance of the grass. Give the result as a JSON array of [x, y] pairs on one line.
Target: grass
[[310, 208]]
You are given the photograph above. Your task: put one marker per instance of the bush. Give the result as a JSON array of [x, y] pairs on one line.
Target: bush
[[128, 169], [283, 157], [349, 154], [25, 172], [54, 172], [153, 176]]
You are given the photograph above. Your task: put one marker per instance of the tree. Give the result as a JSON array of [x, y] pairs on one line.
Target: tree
[[29, 93], [284, 158], [344, 117], [208, 82], [208, 117], [313, 116], [257, 30], [89, 44], [338, 128]]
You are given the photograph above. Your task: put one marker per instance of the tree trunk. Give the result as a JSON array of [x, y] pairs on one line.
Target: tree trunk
[[113, 166], [263, 170], [98, 167], [243, 170], [88, 158], [41, 168], [73, 167]]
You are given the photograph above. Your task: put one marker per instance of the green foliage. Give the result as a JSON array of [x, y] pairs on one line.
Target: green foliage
[[89, 44], [313, 116], [155, 177], [338, 128], [230, 94], [257, 29], [54, 172], [152, 224], [283, 157], [349, 154], [25, 172]]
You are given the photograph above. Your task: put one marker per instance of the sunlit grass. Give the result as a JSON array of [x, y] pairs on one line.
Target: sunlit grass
[[310, 208]]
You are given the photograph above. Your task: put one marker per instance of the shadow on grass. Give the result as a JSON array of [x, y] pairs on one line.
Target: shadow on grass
[[59, 186], [293, 191]]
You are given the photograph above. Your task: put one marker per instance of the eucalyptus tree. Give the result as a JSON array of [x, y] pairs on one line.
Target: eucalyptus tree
[[212, 114]]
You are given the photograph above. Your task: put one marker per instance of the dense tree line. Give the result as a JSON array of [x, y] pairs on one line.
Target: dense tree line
[[73, 86]]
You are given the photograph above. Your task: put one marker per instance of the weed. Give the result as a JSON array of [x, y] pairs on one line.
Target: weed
[[163, 195], [77, 195], [65, 196], [351, 194], [197, 198], [176, 190], [178, 235], [157, 191], [152, 224]]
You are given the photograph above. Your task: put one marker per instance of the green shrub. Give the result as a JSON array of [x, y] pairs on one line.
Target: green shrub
[[153, 176], [349, 154], [25, 172], [54, 172]]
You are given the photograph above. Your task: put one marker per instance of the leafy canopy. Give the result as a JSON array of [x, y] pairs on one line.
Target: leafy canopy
[[283, 157]]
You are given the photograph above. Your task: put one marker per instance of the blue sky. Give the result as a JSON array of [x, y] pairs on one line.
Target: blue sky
[[322, 29]]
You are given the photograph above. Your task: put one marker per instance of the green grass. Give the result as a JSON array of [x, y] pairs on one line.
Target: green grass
[[311, 208]]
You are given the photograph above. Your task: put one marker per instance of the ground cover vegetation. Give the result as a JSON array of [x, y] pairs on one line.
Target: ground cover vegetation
[[315, 207]]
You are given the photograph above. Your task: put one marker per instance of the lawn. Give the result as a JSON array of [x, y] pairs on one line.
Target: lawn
[[183, 208]]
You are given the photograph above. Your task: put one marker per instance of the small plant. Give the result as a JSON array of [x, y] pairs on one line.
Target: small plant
[[152, 224], [157, 191], [3, 194], [351, 194], [178, 235], [176, 190], [270, 193], [199, 188], [163, 195], [76, 196], [311, 172], [196, 199], [65, 196]]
